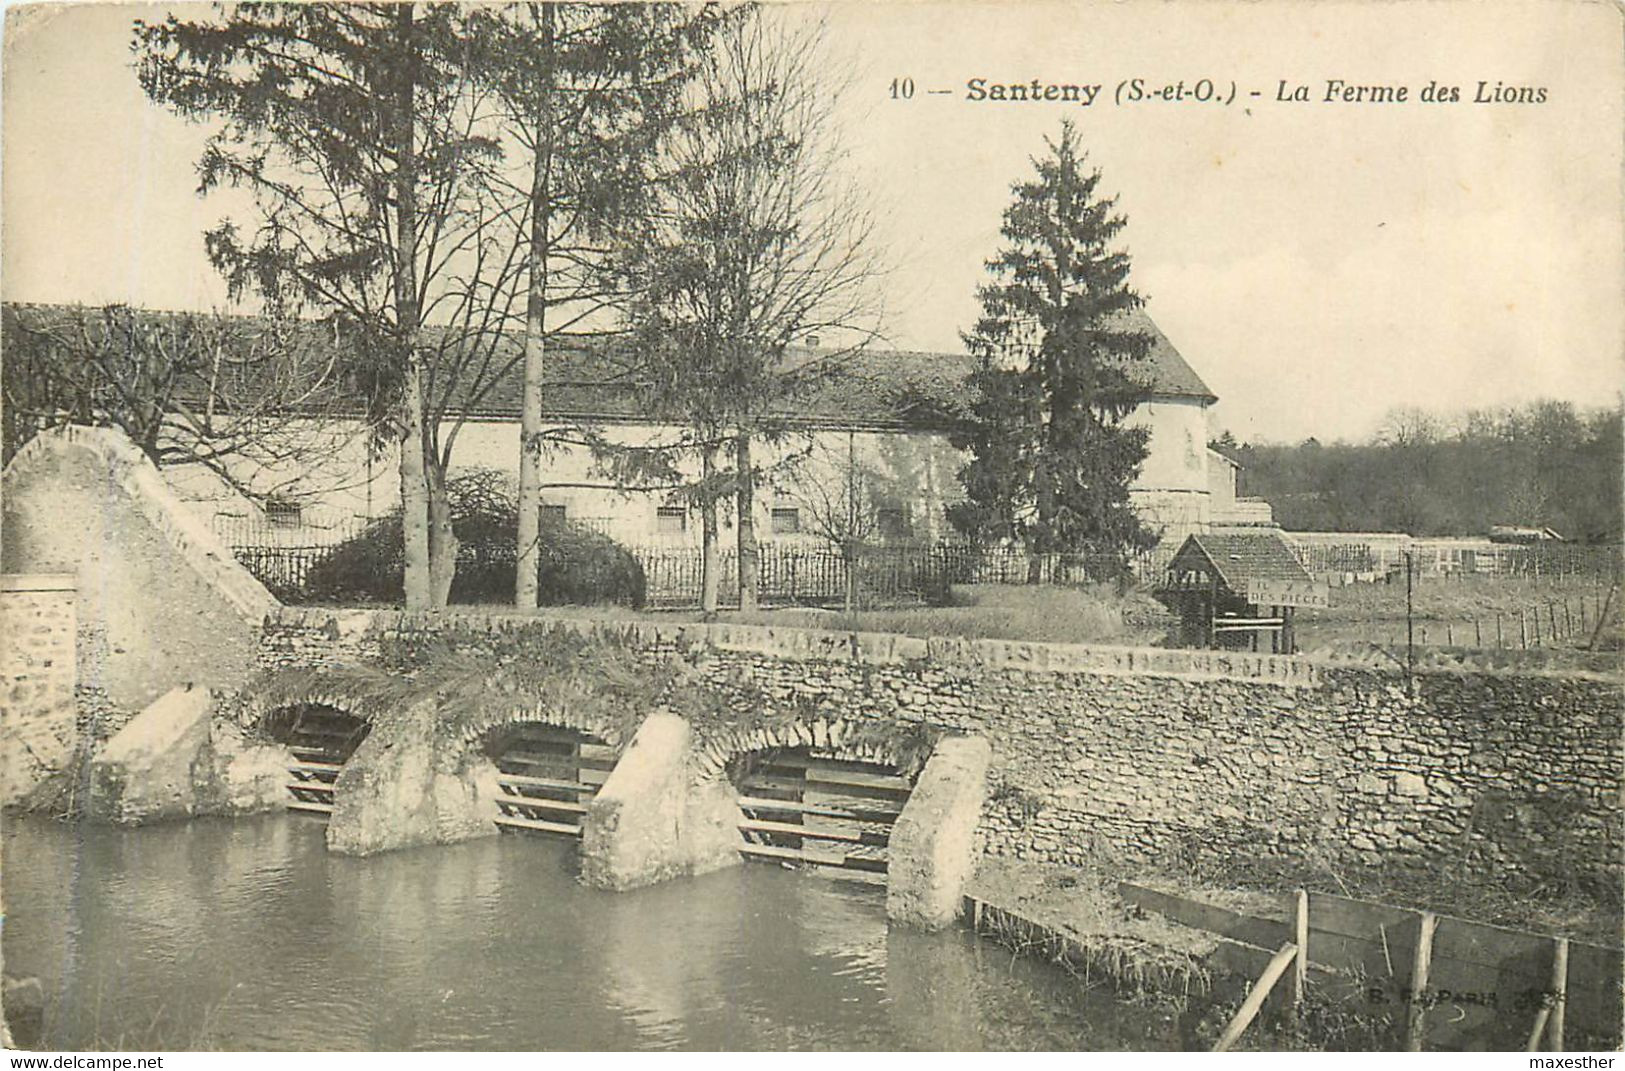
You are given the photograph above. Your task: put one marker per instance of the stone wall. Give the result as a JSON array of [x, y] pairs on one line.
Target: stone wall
[[162, 603], [1142, 753], [37, 718]]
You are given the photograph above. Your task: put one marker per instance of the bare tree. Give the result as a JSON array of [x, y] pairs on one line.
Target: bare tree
[[255, 401], [842, 498], [755, 242]]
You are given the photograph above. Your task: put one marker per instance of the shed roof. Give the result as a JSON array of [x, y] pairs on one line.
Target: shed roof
[[1240, 557]]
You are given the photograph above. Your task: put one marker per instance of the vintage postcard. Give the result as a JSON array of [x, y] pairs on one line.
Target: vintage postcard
[[887, 526]]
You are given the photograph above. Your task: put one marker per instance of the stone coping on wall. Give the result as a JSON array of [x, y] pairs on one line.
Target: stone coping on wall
[[134, 473], [38, 582], [803, 644]]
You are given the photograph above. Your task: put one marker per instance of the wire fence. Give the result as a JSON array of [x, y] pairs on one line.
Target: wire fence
[[1571, 621]]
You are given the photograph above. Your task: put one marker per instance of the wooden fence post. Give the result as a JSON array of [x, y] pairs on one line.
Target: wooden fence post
[[1419, 983], [1560, 994], [1300, 966]]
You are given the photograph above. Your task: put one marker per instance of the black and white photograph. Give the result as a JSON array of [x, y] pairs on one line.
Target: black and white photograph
[[873, 526]]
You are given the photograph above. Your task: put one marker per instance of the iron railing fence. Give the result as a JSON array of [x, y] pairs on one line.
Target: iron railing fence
[[789, 574]]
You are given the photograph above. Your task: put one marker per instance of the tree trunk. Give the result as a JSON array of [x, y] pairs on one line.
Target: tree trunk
[[528, 550], [442, 540], [745, 507], [709, 580], [414, 488]]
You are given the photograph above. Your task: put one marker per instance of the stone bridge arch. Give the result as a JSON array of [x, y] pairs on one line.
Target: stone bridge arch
[[903, 747], [485, 732]]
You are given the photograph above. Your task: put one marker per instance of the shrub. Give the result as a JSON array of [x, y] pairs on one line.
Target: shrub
[[577, 566]]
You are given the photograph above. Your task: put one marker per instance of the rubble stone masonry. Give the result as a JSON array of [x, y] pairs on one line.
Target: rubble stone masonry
[[1143, 753], [37, 720]]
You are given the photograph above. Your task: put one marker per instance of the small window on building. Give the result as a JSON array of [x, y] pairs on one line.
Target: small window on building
[[786, 520], [283, 513], [894, 522], [671, 520], [553, 516]]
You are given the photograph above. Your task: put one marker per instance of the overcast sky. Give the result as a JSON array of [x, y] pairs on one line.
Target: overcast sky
[[1317, 263]]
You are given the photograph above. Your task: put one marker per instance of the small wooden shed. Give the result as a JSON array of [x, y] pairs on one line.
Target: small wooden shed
[[1238, 590]]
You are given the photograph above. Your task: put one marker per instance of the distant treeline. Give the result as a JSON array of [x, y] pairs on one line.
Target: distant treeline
[[1546, 464]]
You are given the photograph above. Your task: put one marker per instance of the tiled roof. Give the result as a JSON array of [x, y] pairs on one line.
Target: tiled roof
[[1239, 557], [874, 388]]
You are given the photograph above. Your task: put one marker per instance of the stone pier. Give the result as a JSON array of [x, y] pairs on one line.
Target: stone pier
[[933, 844], [652, 820]]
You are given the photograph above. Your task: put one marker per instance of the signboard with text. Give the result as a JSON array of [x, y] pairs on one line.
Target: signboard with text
[[1288, 593]]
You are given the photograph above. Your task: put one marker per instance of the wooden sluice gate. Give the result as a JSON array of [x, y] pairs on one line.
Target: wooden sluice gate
[[321, 741], [803, 806], [548, 775]]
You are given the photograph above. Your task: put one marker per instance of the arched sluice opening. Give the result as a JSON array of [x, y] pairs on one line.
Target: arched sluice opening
[[807, 806], [547, 775], [320, 739]]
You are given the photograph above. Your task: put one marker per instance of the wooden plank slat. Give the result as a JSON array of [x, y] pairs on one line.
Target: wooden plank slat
[[844, 862], [814, 773], [872, 838], [823, 810], [755, 784], [317, 756], [535, 732], [1359, 918], [311, 786], [305, 805], [1493, 946], [531, 758], [539, 825], [792, 761], [592, 779], [523, 781], [1384, 965], [540, 804], [1265, 933], [315, 767]]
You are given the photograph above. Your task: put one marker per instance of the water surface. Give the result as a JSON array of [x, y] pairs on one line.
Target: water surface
[[249, 935]]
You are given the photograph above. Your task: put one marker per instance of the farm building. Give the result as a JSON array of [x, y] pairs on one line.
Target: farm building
[[879, 422]]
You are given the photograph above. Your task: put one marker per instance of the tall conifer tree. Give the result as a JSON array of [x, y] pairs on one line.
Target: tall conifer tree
[[347, 125], [1060, 369]]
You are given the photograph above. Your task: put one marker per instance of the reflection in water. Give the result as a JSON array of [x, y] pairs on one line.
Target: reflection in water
[[249, 935]]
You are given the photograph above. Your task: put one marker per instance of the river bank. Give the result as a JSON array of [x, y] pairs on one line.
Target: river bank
[[1101, 926]]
